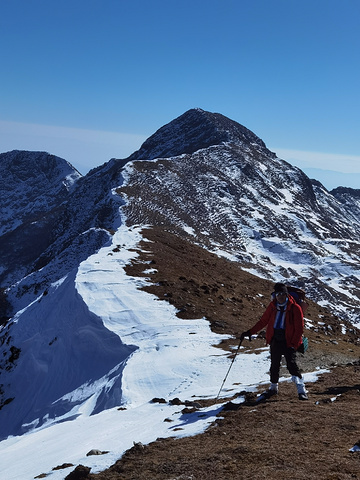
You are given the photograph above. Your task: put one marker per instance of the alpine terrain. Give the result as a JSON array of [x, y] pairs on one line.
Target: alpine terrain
[[123, 296]]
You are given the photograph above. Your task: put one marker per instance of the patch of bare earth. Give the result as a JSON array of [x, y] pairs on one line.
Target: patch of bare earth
[[281, 439]]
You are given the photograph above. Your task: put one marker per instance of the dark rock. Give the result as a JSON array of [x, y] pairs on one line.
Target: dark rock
[[80, 473]]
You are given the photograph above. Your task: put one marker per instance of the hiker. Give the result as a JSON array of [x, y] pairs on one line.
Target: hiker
[[284, 323]]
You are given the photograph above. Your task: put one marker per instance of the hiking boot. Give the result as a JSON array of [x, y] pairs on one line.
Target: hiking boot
[[266, 395], [303, 396], [269, 393]]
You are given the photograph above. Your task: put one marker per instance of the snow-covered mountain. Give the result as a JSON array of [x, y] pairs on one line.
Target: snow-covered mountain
[[78, 337], [60, 220], [225, 190], [33, 186]]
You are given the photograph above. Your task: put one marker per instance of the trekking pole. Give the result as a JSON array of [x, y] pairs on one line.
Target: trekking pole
[[231, 364]]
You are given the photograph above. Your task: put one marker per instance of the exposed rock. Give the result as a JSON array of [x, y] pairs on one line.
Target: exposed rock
[[63, 466], [80, 473], [158, 400], [96, 452]]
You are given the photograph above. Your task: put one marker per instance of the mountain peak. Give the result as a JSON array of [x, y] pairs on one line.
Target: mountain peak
[[31, 184], [192, 131]]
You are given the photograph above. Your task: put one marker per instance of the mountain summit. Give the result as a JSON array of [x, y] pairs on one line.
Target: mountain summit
[[194, 130], [215, 182]]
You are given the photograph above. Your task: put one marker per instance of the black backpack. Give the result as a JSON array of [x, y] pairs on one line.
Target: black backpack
[[299, 296]]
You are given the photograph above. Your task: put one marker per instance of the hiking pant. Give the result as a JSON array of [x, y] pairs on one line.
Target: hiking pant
[[278, 348]]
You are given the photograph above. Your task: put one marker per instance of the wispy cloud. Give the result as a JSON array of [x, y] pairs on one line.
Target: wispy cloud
[[83, 148], [331, 169], [324, 161]]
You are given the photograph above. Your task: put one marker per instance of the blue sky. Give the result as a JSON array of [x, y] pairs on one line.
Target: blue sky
[[89, 80]]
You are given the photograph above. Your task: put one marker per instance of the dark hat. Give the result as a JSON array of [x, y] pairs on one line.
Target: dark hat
[[280, 288]]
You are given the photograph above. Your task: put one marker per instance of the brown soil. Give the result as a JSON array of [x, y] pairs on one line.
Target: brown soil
[[281, 439]]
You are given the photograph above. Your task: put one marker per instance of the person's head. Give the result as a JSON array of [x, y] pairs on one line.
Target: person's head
[[281, 292]]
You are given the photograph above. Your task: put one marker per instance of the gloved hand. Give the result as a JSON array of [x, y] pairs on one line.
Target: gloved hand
[[245, 334]]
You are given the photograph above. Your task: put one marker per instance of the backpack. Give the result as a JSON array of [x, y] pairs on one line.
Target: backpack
[[299, 296]]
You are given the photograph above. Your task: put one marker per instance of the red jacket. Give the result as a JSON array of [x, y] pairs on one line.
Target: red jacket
[[294, 323]]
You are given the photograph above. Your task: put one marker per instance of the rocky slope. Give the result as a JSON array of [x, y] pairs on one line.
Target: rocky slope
[[33, 187], [233, 196], [60, 220], [32, 184]]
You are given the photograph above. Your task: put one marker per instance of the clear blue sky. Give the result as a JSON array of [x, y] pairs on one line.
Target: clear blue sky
[[91, 79]]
